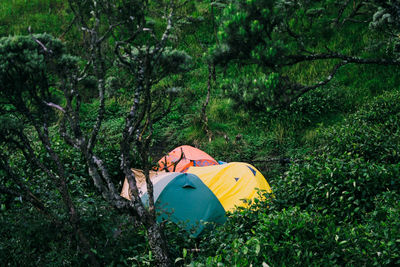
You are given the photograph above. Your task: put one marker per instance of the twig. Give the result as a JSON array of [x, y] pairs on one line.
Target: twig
[[39, 42]]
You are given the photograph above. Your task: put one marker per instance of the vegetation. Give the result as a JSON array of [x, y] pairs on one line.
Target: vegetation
[[307, 91]]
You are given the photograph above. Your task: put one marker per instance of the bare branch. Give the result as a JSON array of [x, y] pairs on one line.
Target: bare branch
[[341, 10], [24, 191], [349, 59], [68, 28], [135, 198], [110, 28], [164, 113], [106, 176], [83, 73], [50, 104], [67, 138], [100, 112], [45, 49], [305, 89], [355, 12], [161, 45]]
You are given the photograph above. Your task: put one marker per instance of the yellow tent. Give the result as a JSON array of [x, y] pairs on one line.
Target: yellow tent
[[232, 182]]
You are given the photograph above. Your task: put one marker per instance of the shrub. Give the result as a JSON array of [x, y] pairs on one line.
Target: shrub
[[372, 133], [295, 237], [344, 187]]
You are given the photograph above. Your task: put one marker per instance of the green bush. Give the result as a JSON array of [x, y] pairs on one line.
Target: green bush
[[371, 133], [278, 238], [344, 187], [294, 237], [352, 163], [337, 204]]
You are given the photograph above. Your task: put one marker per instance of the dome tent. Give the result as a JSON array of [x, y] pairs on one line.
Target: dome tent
[[140, 181], [184, 198], [232, 182], [182, 157]]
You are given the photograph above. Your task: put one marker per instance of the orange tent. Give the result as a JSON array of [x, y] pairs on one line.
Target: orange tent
[[183, 157]]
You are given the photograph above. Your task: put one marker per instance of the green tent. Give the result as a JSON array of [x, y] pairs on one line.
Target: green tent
[[184, 198]]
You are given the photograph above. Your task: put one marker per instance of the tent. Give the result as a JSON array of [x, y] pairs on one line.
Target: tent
[[140, 181], [184, 198], [182, 157], [232, 182]]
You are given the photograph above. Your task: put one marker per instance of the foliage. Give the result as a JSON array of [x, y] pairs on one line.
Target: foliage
[[294, 237], [371, 133], [335, 203], [344, 187], [35, 69], [356, 161], [336, 206], [35, 241], [294, 46]]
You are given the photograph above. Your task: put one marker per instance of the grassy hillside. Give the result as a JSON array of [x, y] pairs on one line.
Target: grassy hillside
[[16, 16], [331, 157]]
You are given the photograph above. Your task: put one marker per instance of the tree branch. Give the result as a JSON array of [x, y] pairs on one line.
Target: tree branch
[[341, 10], [45, 49], [54, 106], [305, 89], [24, 192], [294, 59], [68, 28]]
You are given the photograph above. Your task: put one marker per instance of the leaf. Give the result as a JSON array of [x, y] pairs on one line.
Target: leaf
[[178, 260], [258, 248]]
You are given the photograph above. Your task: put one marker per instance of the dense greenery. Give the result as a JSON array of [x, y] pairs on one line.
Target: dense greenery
[[294, 90], [338, 206]]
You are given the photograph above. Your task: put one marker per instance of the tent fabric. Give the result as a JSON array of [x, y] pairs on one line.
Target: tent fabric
[[140, 181], [182, 157], [184, 198], [232, 182], [162, 181]]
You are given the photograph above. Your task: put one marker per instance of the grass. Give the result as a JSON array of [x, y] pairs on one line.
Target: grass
[[41, 15]]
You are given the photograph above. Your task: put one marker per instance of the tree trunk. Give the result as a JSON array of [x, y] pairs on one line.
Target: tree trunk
[[158, 244]]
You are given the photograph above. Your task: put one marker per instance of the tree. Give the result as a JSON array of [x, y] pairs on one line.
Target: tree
[[36, 71], [26, 91], [279, 37]]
